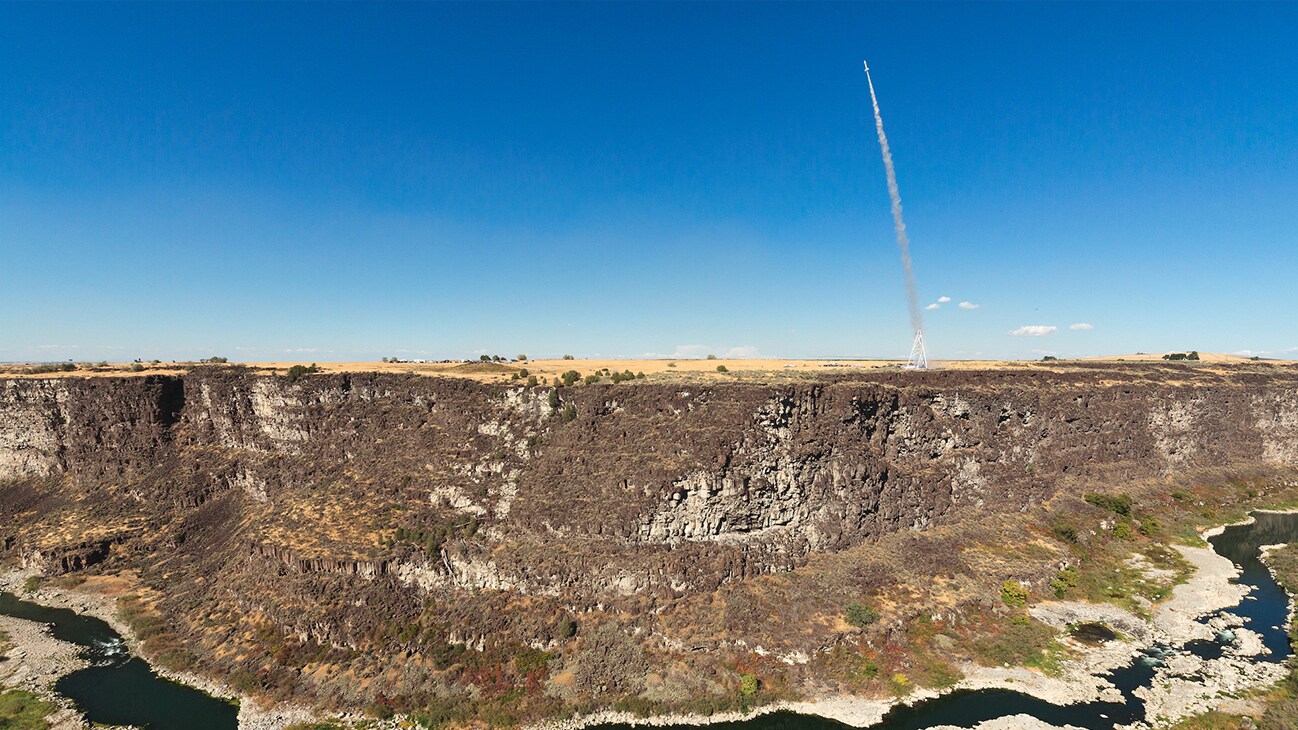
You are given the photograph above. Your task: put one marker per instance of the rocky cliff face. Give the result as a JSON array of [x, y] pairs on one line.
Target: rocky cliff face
[[646, 482], [334, 505]]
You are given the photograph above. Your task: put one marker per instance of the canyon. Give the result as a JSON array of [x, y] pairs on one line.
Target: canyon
[[371, 540]]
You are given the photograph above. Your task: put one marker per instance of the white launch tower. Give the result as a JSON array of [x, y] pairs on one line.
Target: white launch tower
[[918, 357]]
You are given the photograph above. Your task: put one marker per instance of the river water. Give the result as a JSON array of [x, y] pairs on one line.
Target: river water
[[120, 689]]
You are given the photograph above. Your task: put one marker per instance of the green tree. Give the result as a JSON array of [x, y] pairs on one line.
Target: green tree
[[569, 413], [570, 377], [531, 381], [568, 357], [521, 358], [712, 357], [485, 358]]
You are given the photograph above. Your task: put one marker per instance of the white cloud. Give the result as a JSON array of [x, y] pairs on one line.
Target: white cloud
[[943, 300], [1249, 353], [969, 305], [933, 306], [1034, 330], [741, 351], [1081, 326]]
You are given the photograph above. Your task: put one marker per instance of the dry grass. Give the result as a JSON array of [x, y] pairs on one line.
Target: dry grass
[[693, 369]]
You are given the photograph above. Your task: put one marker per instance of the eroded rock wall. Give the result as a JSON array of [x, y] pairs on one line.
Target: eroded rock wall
[[326, 468]]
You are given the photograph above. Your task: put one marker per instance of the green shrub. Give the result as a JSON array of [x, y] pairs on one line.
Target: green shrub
[[569, 413], [860, 615], [568, 357], [531, 381], [748, 685], [32, 584], [1066, 579], [712, 357], [570, 377], [723, 369], [1150, 526], [1014, 593], [592, 379], [1123, 531], [521, 358], [215, 360], [565, 628], [1065, 532], [1119, 504], [297, 372], [554, 400]]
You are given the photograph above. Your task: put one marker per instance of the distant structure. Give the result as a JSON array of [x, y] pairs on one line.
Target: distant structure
[[918, 357]]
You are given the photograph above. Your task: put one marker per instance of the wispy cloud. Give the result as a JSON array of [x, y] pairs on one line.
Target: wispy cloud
[[933, 306], [1034, 330], [1081, 326], [969, 305], [943, 300], [742, 351]]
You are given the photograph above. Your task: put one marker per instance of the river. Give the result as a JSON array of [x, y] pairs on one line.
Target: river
[[118, 688]]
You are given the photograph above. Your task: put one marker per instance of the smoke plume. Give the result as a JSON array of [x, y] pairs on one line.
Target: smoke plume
[[903, 241]]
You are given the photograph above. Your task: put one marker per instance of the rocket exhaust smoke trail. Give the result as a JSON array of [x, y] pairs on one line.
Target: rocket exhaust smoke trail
[[903, 241]]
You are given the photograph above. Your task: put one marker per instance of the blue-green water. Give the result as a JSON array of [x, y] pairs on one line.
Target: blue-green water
[[119, 689]]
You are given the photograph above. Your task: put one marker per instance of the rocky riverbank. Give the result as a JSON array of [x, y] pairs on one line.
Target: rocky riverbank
[[34, 661], [1183, 686], [252, 714]]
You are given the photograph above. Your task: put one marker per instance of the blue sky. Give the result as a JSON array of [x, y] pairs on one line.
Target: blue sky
[[338, 182]]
